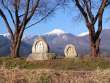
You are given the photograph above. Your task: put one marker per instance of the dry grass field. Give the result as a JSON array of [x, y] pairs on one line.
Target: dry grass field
[[53, 76], [79, 70]]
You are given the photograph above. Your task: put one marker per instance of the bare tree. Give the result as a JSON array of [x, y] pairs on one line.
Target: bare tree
[[21, 13], [92, 17]]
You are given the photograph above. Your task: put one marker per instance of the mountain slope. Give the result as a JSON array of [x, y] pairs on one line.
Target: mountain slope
[[57, 41]]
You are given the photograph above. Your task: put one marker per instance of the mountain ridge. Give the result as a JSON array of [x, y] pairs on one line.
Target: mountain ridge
[[57, 43]]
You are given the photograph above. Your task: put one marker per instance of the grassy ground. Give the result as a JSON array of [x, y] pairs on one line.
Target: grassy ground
[[53, 76], [58, 64], [79, 70]]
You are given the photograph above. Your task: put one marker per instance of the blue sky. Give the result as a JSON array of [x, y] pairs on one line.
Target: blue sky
[[61, 20]]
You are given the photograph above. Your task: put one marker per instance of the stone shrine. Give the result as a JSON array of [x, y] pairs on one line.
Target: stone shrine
[[40, 46], [70, 51], [40, 50]]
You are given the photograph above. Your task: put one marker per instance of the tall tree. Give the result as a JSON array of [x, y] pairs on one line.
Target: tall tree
[[92, 17], [21, 13]]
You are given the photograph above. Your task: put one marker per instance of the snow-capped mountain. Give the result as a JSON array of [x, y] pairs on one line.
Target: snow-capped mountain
[[55, 32], [5, 35], [83, 34], [57, 42], [57, 39]]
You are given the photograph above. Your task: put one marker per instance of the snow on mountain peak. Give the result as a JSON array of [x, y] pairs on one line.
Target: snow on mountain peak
[[5, 34], [83, 34], [56, 31]]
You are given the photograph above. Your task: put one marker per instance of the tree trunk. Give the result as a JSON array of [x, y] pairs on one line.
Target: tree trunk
[[15, 46], [15, 50], [95, 52]]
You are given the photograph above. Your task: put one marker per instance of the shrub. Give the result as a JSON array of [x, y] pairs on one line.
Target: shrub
[[51, 56]]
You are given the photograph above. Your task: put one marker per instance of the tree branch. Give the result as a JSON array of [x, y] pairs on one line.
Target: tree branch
[[7, 24], [100, 17], [103, 5], [33, 10], [81, 10], [108, 3], [88, 7], [50, 12], [10, 13], [26, 13], [16, 6]]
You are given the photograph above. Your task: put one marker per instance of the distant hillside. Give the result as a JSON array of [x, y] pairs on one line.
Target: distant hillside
[[57, 40]]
